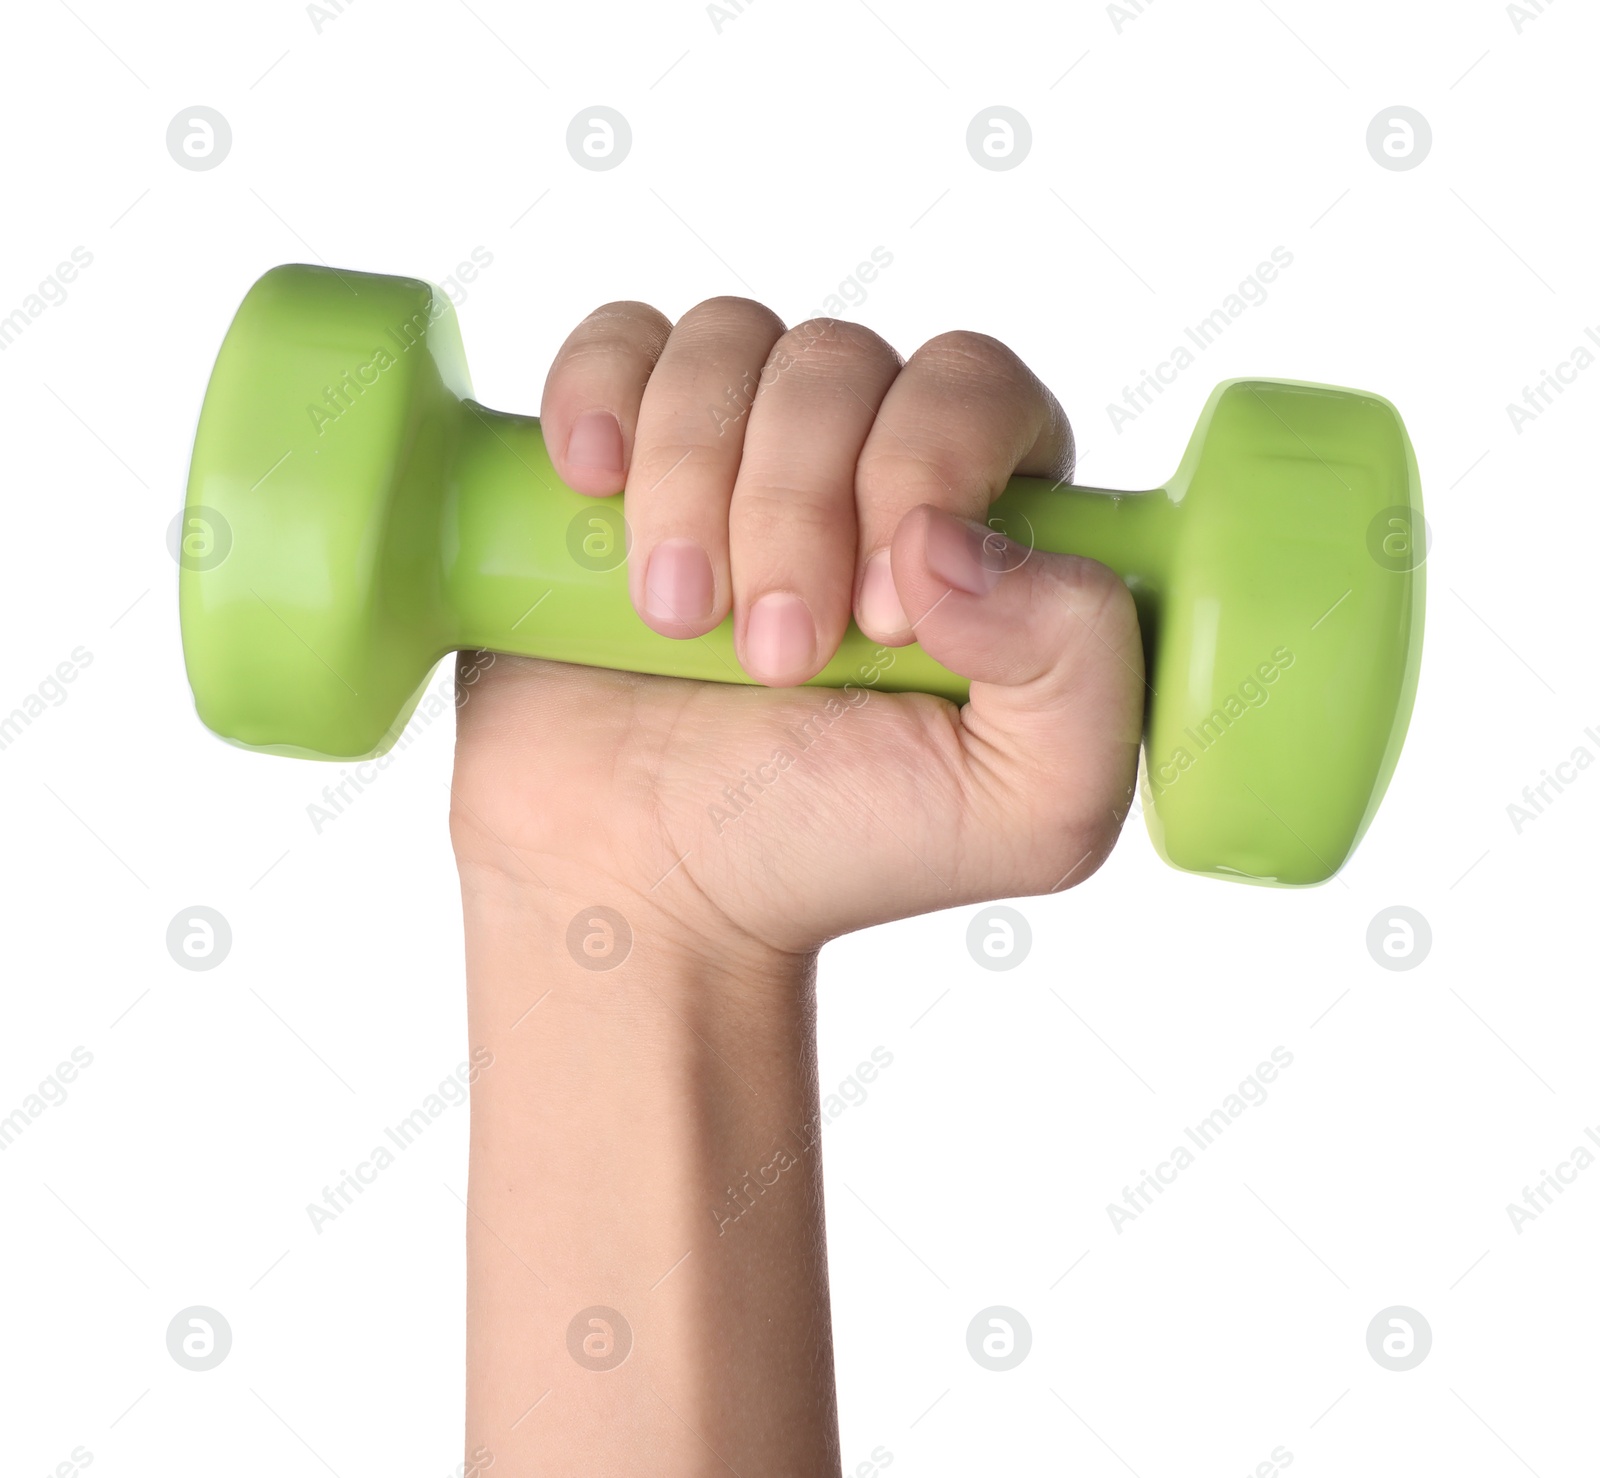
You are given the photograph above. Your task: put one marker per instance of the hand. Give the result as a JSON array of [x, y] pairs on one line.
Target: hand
[[647, 1138], [796, 478]]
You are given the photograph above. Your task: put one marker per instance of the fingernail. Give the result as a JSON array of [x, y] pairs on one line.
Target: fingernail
[[882, 615], [959, 554], [780, 638], [596, 443], [678, 584]]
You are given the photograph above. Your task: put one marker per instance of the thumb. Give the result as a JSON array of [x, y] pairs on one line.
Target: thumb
[[1051, 645]]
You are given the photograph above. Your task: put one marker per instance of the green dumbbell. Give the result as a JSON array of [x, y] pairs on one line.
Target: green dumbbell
[[353, 515]]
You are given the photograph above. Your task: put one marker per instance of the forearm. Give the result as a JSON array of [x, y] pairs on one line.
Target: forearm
[[645, 1143]]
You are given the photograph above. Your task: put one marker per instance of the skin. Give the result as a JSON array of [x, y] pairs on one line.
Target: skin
[[645, 1140]]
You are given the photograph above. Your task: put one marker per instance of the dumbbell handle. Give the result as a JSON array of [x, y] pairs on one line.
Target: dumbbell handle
[[532, 568]]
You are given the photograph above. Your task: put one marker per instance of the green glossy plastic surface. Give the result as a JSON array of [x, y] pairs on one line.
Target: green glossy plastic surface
[[375, 518]]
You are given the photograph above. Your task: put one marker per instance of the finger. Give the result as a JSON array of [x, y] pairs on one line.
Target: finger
[[1051, 643], [590, 410], [792, 523], [963, 417], [691, 435]]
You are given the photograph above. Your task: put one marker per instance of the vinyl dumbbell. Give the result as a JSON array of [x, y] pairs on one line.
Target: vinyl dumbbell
[[353, 515]]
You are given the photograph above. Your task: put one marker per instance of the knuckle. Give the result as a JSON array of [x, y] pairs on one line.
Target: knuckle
[[623, 324], [895, 474], [797, 519], [1083, 849], [725, 317], [965, 354], [830, 344], [1096, 595], [762, 504], [829, 350], [1073, 832], [811, 329], [1058, 853], [881, 471], [657, 462], [1057, 432], [630, 310]]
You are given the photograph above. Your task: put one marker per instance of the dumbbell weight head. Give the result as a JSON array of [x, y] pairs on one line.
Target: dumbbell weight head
[[374, 517], [1283, 621], [322, 462]]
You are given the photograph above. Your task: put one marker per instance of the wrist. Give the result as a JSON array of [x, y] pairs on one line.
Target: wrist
[[572, 921], [643, 1067]]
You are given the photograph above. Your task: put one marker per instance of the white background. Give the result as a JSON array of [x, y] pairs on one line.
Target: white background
[[1171, 152]]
